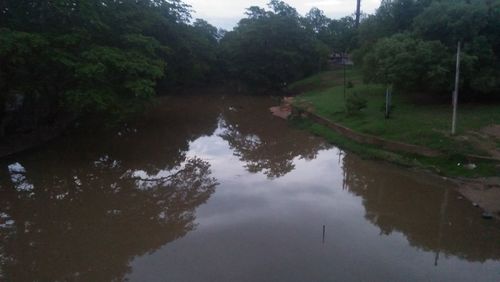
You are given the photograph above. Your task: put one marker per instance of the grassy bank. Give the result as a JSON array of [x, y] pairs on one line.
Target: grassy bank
[[412, 121]]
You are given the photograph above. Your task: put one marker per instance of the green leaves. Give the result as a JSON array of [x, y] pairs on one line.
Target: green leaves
[[93, 56], [451, 22], [18, 44], [24, 58], [408, 63], [270, 49], [110, 78], [423, 58]]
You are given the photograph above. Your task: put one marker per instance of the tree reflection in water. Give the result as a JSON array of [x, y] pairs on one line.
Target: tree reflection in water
[[83, 207], [431, 218], [264, 143], [88, 225]]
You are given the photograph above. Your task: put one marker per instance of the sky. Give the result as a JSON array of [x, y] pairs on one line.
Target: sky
[[226, 13]]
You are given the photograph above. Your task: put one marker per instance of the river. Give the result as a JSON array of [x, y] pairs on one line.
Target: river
[[214, 188]]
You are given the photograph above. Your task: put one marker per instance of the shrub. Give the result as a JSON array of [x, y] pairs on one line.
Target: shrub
[[355, 104]]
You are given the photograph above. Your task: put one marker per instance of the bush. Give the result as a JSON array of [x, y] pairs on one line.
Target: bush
[[355, 104]]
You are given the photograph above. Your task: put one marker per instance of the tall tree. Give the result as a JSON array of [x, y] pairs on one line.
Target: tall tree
[[95, 56], [272, 48], [473, 22]]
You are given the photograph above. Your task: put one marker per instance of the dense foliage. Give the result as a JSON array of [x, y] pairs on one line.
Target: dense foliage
[[72, 57], [412, 44], [409, 63], [272, 48], [95, 56], [66, 58]]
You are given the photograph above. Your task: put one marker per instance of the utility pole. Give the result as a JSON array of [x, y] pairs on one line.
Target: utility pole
[[344, 59], [455, 93], [358, 12]]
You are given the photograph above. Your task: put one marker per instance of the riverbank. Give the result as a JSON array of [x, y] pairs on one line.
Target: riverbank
[[470, 153], [470, 157], [23, 141]]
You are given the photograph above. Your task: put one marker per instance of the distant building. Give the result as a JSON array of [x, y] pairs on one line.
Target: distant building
[[341, 59]]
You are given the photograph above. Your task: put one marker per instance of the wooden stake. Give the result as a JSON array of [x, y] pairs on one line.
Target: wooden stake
[[387, 105]]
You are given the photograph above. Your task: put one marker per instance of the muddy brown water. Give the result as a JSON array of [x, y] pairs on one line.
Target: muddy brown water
[[214, 188]]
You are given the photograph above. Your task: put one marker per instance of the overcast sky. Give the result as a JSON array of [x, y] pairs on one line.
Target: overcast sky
[[226, 13]]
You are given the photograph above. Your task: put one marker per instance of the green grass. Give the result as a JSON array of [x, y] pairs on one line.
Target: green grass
[[425, 125], [325, 80], [448, 165]]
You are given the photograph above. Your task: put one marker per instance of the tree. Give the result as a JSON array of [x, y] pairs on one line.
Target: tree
[[96, 56], [342, 34], [473, 22], [270, 49], [409, 63], [316, 20]]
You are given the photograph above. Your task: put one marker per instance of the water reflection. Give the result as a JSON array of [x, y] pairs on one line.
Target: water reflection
[[218, 184], [83, 207], [429, 213], [379, 221], [156, 142], [265, 148], [86, 223]]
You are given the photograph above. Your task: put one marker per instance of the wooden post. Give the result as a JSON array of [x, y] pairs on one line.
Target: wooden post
[[455, 93], [390, 100], [387, 105]]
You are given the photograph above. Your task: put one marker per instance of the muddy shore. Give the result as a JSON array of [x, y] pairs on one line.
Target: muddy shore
[[484, 192]]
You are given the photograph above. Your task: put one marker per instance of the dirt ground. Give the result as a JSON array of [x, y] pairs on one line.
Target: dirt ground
[[486, 191], [487, 139], [284, 110], [483, 192], [492, 130]]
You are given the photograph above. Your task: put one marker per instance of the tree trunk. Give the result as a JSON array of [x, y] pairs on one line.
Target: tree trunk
[[3, 115]]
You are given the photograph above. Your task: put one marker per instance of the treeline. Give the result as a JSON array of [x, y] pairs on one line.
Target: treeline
[[75, 57], [271, 48], [71, 57], [411, 44], [66, 58]]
